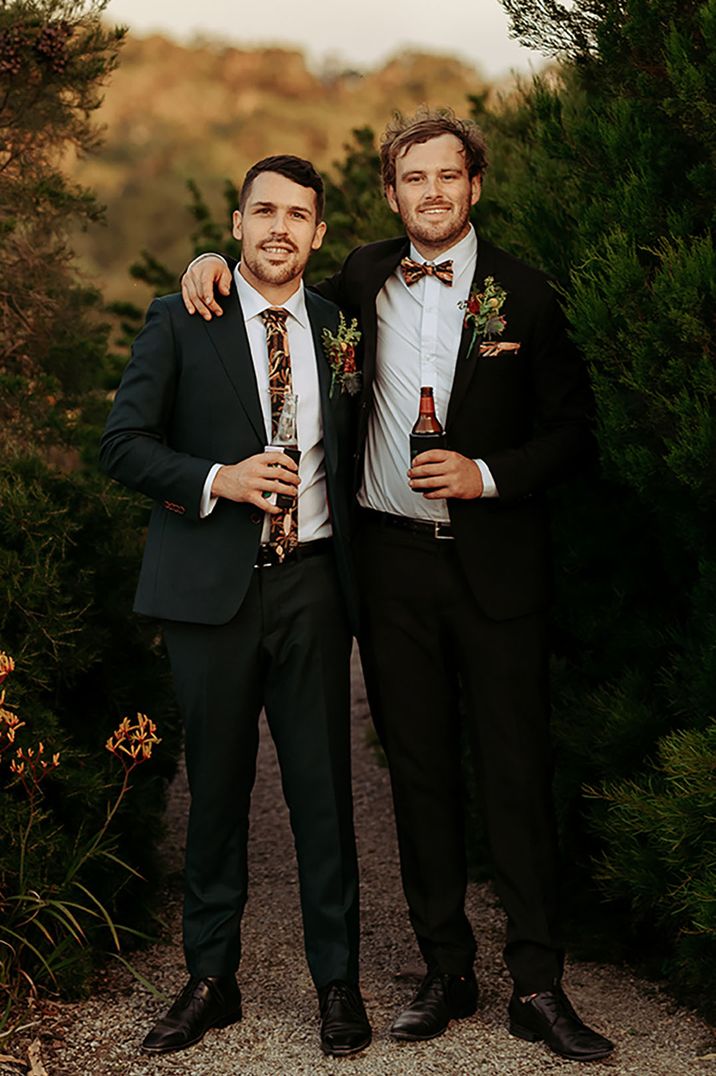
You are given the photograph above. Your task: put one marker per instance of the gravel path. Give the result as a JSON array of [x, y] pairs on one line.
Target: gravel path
[[279, 1033]]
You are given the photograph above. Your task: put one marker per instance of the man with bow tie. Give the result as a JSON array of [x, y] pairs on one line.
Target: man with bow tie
[[453, 563]]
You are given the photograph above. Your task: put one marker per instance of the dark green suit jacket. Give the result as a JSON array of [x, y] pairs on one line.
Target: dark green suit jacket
[[188, 399]]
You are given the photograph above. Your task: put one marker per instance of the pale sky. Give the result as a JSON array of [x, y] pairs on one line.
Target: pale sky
[[360, 33]]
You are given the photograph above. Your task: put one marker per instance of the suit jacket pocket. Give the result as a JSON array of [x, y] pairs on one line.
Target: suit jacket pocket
[[496, 348]]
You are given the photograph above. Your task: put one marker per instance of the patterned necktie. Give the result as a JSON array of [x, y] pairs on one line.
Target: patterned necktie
[[283, 535], [414, 271]]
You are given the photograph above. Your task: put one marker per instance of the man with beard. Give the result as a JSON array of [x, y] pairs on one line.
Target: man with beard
[[255, 598], [453, 559]]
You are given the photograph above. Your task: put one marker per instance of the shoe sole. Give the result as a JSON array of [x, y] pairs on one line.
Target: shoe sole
[[347, 1051], [407, 1036], [151, 1051], [526, 1033]]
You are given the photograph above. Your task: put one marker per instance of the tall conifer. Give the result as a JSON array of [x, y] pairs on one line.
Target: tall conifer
[[606, 179]]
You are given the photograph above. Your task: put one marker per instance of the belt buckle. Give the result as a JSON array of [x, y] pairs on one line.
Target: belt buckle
[[436, 531]]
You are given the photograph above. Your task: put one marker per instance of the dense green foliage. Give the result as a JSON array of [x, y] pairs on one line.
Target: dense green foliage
[[604, 176], [69, 544]]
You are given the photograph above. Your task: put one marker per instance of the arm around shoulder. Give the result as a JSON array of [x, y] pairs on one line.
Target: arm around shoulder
[[204, 276]]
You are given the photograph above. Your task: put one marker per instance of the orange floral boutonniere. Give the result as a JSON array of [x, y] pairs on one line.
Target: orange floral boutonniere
[[483, 314], [340, 349]]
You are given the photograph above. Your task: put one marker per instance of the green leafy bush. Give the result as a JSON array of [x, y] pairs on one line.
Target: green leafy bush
[[69, 542], [51, 910], [69, 549], [604, 176]]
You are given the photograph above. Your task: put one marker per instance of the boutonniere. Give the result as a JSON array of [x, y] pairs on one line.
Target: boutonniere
[[483, 314], [340, 349]]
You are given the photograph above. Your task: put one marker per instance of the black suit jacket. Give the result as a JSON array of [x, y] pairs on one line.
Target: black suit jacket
[[526, 413], [188, 399]]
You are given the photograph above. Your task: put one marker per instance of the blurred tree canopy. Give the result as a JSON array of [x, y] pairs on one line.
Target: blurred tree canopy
[[54, 57]]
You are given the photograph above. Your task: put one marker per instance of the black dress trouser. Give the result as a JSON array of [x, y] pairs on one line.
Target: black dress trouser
[[288, 649], [423, 639]]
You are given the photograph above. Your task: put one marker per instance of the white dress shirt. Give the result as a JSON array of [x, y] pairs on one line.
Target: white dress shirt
[[313, 517], [419, 330]]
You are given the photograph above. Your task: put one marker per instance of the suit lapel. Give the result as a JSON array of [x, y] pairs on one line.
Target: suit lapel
[[330, 439], [467, 359], [228, 336]]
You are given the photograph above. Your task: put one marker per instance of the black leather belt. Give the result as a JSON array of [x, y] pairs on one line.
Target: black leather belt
[[428, 528], [268, 558]]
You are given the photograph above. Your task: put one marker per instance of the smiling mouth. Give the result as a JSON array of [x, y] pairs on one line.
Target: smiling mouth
[[435, 209], [277, 250]]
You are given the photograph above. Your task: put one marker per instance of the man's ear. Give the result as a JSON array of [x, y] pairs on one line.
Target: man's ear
[[475, 189], [391, 199], [236, 230], [318, 235]]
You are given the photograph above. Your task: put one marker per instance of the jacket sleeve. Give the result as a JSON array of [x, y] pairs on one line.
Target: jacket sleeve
[[134, 448], [562, 440]]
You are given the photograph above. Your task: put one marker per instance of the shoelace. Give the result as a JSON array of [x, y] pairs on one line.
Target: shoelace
[[340, 992]]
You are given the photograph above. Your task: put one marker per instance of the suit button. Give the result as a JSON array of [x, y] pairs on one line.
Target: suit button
[[255, 517]]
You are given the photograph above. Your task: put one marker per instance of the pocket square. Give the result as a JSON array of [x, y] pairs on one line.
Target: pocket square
[[492, 348]]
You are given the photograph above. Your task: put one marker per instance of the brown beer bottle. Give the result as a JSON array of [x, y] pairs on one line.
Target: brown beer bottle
[[427, 432]]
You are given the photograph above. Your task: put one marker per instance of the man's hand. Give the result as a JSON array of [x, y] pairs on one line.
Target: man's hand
[[441, 474], [267, 472], [197, 286]]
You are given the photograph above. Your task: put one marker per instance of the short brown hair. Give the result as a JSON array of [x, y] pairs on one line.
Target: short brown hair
[[406, 131], [298, 169]]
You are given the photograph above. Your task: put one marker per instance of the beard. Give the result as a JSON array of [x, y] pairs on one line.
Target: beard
[[441, 233], [273, 272]]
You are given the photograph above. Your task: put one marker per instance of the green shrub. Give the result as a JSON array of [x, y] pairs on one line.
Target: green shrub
[[659, 849], [51, 881], [604, 176], [69, 549], [70, 542]]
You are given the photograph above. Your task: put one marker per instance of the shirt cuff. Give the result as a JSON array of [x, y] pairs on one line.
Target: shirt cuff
[[207, 502], [489, 489], [206, 254]]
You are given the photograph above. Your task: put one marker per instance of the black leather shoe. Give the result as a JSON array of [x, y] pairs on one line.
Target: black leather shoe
[[440, 999], [344, 1024], [549, 1017], [214, 1001]]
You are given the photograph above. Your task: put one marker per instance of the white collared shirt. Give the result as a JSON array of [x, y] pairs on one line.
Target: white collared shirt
[[419, 330], [313, 517]]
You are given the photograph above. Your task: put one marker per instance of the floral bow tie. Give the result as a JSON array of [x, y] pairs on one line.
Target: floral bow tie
[[413, 271]]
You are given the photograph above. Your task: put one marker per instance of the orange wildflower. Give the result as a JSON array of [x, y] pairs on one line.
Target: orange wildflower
[[6, 665], [133, 740], [9, 724]]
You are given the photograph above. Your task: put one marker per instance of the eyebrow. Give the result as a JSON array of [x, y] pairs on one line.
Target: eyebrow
[[423, 171], [272, 205]]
